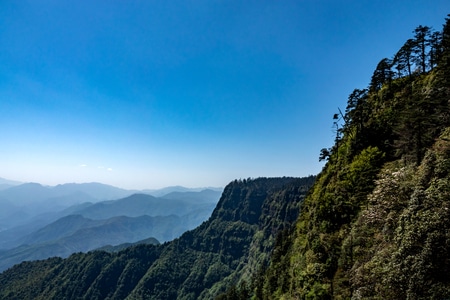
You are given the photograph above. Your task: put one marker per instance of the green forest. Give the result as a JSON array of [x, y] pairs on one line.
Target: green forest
[[374, 223]]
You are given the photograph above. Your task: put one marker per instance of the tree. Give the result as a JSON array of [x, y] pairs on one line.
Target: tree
[[446, 35], [444, 60], [355, 108], [381, 74], [356, 115], [324, 154], [435, 48], [403, 58], [421, 42]]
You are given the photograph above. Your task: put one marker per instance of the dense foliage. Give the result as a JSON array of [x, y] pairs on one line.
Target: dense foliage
[[226, 249], [376, 224]]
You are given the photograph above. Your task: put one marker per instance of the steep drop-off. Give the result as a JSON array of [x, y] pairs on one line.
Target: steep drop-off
[[376, 224]]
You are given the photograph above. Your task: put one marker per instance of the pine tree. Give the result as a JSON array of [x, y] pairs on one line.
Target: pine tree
[[382, 74], [421, 43], [403, 58]]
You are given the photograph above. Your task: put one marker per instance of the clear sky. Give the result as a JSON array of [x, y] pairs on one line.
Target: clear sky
[[147, 94]]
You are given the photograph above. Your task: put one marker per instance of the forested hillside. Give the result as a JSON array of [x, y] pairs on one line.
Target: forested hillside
[[201, 264], [376, 224]]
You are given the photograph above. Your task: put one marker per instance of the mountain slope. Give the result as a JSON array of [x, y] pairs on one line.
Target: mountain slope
[[95, 190], [192, 207], [77, 234], [376, 223], [117, 248], [33, 201], [203, 196], [198, 265], [141, 204], [29, 193]]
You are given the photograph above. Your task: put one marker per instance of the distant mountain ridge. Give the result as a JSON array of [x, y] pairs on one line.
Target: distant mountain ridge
[[28, 193], [9, 182], [87, 226], [78, 234], [22, 202], [178, 189], [31, 191], [117, 248], [5, 183], [141, 204]]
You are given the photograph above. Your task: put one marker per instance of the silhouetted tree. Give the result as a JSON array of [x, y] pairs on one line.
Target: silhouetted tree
[[421, 42], [403, 58], [435, 48], [324, 154], [382, 74], [446, 34], [355, 107], [445, 57]]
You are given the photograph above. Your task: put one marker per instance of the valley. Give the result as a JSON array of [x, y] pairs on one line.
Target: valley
[[74, 218]]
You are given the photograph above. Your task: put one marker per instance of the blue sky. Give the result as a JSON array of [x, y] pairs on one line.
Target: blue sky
[[147, 94]]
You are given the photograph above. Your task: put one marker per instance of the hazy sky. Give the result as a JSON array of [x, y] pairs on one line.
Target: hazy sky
[[146, 94]]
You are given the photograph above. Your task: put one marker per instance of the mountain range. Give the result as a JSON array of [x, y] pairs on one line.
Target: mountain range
[[60, 228], [200, 263]]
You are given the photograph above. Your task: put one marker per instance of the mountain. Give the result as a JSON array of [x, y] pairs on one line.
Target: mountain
[[88, 226], [163, 228], [203, 196], [198, 265], [7, 208], [26, 193], [9, 182], [26, 207], [95, 190], [62, 227], [177, 189], [117, 248], [142, 204], [32, 199], [77, 234], [30, 193], [376, 224], [6, 184]]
